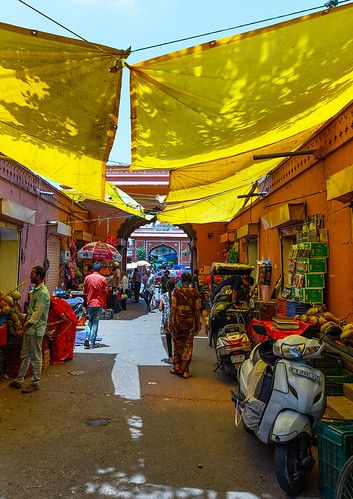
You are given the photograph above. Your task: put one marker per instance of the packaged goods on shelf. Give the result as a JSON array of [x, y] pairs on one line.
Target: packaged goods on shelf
[[314, 280], [310, 295], [311, 265]]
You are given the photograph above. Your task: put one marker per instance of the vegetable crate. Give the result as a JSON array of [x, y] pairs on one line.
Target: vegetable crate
[[335, 446], [294, 307]]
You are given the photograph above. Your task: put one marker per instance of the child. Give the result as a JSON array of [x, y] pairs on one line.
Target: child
[[164, 307]]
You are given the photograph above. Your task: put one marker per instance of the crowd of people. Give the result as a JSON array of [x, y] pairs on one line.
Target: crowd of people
[[179, 303]]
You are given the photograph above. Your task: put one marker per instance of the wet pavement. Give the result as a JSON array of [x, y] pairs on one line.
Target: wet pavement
[[113, 422]]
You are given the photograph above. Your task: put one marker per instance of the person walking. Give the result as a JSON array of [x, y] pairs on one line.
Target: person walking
[[95, 288], [137, 280], [164, 281], [149, 290], [184, 323], [124, 288], [34, 329], [195, 283], [164, 307], [116, 282]]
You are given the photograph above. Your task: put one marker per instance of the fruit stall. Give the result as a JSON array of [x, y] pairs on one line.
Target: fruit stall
[[11, 321]]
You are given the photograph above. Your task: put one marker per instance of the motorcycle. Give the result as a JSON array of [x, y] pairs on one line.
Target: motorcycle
[[281, 398], [76, 303]]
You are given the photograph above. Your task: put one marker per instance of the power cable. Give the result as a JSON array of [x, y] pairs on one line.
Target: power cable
[[61, 25], [327, 6]]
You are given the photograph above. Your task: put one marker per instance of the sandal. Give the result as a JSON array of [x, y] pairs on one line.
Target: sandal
[[186, 375], [175, 372]]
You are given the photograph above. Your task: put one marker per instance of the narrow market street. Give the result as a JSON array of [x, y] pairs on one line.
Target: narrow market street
[[114, 422]]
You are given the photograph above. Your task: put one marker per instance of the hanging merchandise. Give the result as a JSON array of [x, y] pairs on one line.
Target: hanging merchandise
[[264, 272]]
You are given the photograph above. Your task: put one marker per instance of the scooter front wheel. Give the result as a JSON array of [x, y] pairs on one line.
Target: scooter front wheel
[[289, 468]]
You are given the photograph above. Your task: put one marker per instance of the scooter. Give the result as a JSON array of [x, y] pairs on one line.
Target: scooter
[[232, 344], [281, 398]]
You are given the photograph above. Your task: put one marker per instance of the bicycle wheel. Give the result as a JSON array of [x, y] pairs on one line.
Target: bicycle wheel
[[344, 488]]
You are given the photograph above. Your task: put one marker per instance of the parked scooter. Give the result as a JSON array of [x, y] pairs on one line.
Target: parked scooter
[[280, 399], [77, 304], [232, 344]]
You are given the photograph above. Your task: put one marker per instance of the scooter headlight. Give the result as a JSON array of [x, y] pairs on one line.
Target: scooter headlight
[[292, 351]]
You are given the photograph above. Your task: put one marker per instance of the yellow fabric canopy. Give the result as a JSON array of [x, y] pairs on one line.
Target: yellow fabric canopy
[[114, 197], [59, 105], [242, 93], [218, 208], [221, 175]]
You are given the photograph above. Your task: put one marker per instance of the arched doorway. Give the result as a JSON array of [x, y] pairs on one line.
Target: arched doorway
[[133, 223], [163, 255]]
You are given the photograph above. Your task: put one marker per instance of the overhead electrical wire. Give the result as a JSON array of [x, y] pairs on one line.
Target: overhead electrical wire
[[327, 6]]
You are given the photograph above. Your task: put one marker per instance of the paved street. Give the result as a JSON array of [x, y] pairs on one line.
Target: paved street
[[163, 437]]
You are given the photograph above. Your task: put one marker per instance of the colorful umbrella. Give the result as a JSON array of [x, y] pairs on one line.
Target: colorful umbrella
[[143, 263], [99, 251]]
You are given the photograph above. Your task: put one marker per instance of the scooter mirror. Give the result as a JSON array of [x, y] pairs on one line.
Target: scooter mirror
[[259, 329]]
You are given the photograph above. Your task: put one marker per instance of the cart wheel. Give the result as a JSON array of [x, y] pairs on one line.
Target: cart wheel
[[344, 489]]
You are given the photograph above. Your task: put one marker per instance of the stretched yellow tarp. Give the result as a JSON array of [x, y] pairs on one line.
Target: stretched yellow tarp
[[114, 197], [241, 93], [218, 208], [59, 105], [193, 183]]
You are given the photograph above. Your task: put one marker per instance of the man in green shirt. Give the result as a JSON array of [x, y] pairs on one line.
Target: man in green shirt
[[34, 329]]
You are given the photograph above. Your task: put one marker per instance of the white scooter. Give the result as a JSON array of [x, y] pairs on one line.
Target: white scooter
[[281, 398]]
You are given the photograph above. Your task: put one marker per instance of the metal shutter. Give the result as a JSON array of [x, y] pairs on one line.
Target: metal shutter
[[52, 279]]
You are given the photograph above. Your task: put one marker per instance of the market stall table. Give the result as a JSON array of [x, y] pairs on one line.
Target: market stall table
[[272, 331]]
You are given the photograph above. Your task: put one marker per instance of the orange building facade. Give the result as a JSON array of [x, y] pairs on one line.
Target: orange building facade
[[300, 188]]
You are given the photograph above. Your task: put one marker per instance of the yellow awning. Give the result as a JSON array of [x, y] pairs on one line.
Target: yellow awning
[[114, 197], [195, 182], [242, 93], [218, 208], [59, 105]]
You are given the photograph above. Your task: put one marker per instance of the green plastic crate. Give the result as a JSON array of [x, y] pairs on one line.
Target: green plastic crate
[[314, 280], [310, 295], [335, 446], [311, 265]]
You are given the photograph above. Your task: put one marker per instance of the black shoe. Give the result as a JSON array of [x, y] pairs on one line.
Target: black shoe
[[15, 384], [86, 343], [30, 389]]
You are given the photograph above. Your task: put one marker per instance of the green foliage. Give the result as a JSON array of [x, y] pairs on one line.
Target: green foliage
[[186, 251], [140, 253], [233, 255]]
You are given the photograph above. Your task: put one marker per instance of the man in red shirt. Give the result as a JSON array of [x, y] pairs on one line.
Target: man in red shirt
[[95, 288]]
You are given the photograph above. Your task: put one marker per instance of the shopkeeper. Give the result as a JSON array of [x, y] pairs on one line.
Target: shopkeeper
[[240, 287]]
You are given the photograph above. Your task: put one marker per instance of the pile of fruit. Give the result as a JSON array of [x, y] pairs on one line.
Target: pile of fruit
[[318, 317], [9, 306], [328, 324]]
